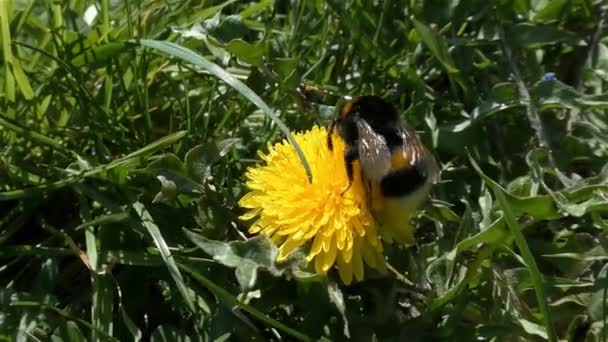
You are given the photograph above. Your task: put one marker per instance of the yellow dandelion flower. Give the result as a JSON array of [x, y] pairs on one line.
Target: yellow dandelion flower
[[335, 225]]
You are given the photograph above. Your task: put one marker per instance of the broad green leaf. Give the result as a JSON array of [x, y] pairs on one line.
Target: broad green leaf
[[521, 6], [252, 54], [442, 212], [489, 108], [437, 45], [227, 29], [200, 158], [504, 92], [520, 280], [103, 220], [167, 193], [598, 303], [174, 173], [168, 161], [22, 80], [198, 162], [285, 67], [256, 8], [550, 94], [541, 207], [533, 328], [210, 11], [446, 295], [582, 197], [552, 11], [247, 257], [97, 55], [528, 35], [177, 184], [520, 241], [337, 298]]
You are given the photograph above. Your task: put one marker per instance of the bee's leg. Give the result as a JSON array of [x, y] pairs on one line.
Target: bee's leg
[[330, 132], [350, 155], [374, 200], [368, 192]]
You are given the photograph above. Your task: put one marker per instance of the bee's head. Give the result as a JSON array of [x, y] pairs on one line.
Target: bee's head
[[370, 108]]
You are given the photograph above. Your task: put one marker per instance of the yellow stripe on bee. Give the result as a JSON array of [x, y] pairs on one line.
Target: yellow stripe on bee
[[376, 196], [399, 160], [346, 108]]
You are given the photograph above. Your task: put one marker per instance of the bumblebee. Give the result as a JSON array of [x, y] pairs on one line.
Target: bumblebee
[[397, 169]]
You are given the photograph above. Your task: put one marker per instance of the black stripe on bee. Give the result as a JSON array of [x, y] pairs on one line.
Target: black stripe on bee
[[402, 182]]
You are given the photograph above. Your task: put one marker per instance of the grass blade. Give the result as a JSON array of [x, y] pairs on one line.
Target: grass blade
[[63, 313], [147, 221], [10, 124], [233, 301], [5, 35], [133, 159], [520, 241], [178, 51]]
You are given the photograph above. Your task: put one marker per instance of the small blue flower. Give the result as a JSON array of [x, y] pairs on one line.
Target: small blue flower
[[550, 76]]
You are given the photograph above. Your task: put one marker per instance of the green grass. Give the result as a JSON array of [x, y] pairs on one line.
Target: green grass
[[123, 145]]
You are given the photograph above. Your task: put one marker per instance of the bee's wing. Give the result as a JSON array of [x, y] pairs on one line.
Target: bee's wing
[[374, 154], [418, 155]]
